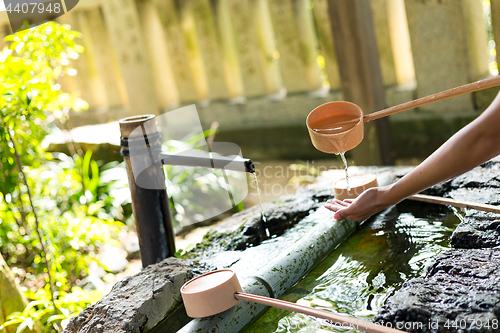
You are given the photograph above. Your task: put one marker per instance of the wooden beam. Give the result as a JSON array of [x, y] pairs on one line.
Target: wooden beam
[[325, 40], [400, 42], [361, 78], [268, 54], [96, 76], [106, 60], [126, 38], [159, 57], [229, 51]]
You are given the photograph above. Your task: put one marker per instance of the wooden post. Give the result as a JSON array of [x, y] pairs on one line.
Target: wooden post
[[125, 34], [287, 41], [169, 14], [195, 57], [229, 50], [80, 83], [400, 42], [297, 45], [308, 44], [477, 39], [107, 63], [443, 45], [268, 53], [381, 25], [325, 39], [247, 46], [3, 34], [97, 85], [209, 48], [495, 25], [361, 78], [157, 50]]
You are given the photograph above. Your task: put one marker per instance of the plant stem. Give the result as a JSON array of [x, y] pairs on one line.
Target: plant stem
[[74, 148], [20, 223], [37, 224]]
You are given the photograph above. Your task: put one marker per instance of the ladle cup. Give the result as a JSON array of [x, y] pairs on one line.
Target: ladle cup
[[220, 290], [337, 127]]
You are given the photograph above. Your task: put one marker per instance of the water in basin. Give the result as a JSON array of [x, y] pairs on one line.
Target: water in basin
[[361, 273]]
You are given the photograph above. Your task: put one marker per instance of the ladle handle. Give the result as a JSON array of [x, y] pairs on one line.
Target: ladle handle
[[457, 91], [356, 323], [455, 203]]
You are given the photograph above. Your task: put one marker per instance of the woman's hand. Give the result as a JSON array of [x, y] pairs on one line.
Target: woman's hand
[[365, 205], [480, 139]]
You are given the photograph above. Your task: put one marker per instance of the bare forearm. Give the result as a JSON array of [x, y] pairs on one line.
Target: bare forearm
[[474, 144]]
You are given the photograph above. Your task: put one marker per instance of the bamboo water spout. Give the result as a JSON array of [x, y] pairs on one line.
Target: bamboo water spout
[[141, 151]]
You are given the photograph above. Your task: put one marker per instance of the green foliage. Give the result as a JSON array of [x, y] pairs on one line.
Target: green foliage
[[78, 200], [74, 231], [41, 309], [29, 93], [70, 194], [75, 222]]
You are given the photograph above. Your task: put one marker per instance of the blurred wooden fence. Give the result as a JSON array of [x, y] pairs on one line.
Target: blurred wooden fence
[[149, 56]]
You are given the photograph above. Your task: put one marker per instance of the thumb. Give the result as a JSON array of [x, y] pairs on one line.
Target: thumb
[[341, 213]]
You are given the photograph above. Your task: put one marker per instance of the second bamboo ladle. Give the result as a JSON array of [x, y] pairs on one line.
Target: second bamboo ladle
[[220, 290], [337, 127]]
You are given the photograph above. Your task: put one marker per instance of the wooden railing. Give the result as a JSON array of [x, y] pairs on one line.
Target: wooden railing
[[150, 56]]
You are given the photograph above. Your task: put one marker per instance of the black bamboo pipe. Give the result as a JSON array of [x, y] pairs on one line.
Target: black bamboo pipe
[[199, 158], [141, 139], [150, 204]]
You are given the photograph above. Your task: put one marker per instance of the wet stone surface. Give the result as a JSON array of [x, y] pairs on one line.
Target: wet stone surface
[[478, 230], [140, 302], [461, 291], [480, 185], [247, 229], [136, 303]]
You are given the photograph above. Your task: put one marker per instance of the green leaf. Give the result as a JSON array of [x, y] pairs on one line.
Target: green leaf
[[28, 322], [12, 322], [32, 304], [85, 168], [56, 317], [94, 181]]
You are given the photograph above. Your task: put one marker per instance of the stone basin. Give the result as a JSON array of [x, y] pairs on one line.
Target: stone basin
[[302, 234]]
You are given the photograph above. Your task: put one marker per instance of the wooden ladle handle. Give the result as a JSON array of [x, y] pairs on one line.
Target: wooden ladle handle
[[457, 91], [455, 203], [347, 321]]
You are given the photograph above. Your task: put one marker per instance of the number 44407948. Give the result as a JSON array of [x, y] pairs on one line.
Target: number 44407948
[[34, 7]]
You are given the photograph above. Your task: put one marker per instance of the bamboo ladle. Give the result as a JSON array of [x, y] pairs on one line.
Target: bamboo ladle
[[220, 290], [337, 127]]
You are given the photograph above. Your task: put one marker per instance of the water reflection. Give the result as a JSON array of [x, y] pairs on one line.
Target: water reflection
[[361, 273]]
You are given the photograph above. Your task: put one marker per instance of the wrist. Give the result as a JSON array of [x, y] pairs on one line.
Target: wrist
[[388, 195]]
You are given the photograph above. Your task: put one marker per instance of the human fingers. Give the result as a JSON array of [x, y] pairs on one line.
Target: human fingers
[[344, 202], [335, 205], [339, 214], [341, 203], [346, 211]]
